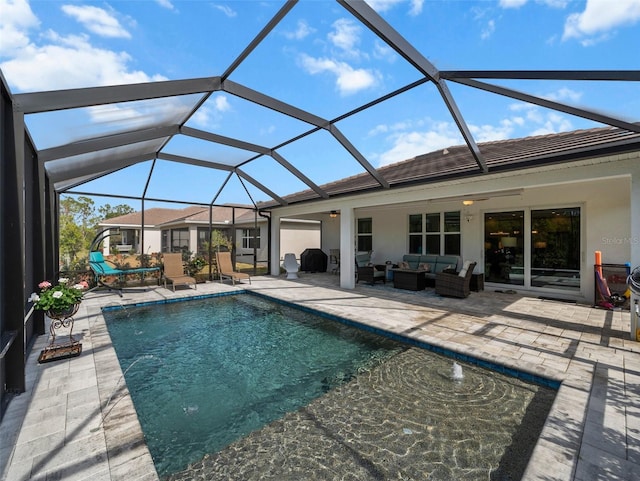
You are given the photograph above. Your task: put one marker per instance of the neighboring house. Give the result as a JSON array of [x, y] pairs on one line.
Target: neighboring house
[[178, 230]]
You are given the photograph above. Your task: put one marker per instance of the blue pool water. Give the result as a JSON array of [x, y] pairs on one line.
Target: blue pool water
[[205, 373]]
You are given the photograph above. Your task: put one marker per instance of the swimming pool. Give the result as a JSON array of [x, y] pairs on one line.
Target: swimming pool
[[226, 383]]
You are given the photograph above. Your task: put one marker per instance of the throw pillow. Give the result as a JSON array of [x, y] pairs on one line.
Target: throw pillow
[[465, 268], [423, 266], [403, 265]]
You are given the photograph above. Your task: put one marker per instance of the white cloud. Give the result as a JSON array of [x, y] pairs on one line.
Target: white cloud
[[408, 140], [520, 3], [16, 21], [489, 133], [599, 18], [97, 20], [345, 35], [302, 31], [348, 79], [210, 115], [228, 11], [222, 104], [69, 62], [383, 51], [537, 121], [415, 6], [564, 94], [488, 30], [512, 3], [383, 5], [165, 4]]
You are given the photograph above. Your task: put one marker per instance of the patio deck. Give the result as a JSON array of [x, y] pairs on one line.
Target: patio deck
[[56, 430]]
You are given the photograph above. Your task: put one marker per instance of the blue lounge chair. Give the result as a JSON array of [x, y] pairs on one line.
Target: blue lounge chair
[[102, 269]]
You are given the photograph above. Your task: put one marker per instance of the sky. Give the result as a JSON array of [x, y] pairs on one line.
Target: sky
[[320, 59]]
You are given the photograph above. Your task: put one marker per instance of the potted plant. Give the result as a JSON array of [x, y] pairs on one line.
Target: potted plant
[[59, 301], [195, 265]]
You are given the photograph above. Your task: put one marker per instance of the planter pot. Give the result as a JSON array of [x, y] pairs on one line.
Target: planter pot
[[64, 314]]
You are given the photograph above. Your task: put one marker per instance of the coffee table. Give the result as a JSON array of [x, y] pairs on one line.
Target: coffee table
[[409, 279]]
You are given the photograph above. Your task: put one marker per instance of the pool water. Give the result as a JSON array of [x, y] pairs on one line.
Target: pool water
[[205, 373]]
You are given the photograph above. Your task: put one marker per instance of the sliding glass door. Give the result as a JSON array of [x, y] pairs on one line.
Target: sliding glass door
[[549, 257], [555, 248], [504, 247]]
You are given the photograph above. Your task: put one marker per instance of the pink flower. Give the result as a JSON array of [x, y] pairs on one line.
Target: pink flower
[[81, 286], [44, 285]]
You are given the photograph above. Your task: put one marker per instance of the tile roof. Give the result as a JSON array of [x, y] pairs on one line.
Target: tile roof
[[501, 155], [155, 216]]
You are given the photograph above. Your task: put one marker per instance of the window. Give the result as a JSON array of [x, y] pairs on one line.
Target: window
[[180, 240], [452, 233], [365, 234], [251, 238], [165, 241], [433, 234], [441, 233], [203, 240], [415, 234]]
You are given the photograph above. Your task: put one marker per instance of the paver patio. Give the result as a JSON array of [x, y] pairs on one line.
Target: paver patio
[[77, 421]]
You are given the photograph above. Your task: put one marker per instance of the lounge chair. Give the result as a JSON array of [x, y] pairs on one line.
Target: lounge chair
[[455, 285], [225, 268], [291, 265], [174, 272], [102, 269]]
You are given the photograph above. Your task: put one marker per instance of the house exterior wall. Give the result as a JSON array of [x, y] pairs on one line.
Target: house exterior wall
[[600, 187], [152, 241], [296, 237]]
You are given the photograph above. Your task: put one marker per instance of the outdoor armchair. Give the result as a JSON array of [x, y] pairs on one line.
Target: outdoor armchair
[[367, 272], [455, 285]]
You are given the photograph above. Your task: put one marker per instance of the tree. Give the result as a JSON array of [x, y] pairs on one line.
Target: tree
[[109, 212], [77, 226]]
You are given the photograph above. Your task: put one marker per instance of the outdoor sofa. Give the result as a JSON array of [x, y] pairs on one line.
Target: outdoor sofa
[[430, 263]]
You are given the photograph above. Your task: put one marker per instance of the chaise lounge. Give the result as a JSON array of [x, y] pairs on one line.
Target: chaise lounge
[[101, 270], [225, 269], [174, 272]]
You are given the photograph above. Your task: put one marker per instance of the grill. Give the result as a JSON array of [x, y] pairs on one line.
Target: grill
[[313, 260]]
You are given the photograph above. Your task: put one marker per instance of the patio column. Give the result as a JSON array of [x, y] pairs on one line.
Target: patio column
[[275, 244], [634, 242], [347, 249]]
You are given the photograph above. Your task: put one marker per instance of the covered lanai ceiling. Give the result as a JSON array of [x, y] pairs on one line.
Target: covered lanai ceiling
[[154, 126]]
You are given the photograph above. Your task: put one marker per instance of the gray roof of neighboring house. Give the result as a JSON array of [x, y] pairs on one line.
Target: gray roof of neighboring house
[[157, 217], [457, 161], [153, 217]]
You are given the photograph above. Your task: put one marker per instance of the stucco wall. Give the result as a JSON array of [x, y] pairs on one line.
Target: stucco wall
[[296, 237], [600, 187]]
